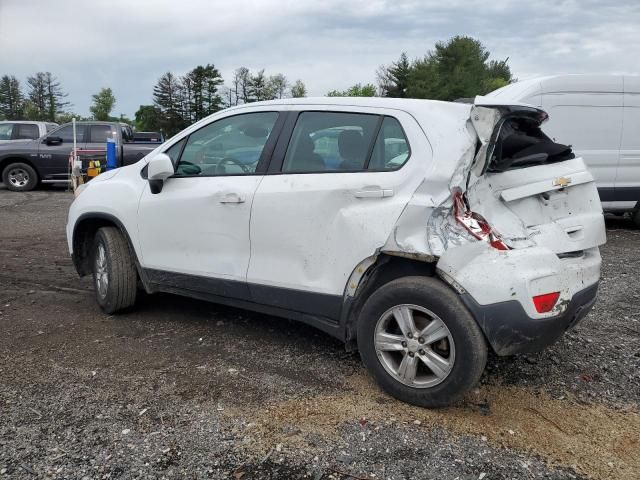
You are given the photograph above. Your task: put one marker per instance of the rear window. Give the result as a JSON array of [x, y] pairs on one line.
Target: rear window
[[26, 131], [336, 141], [100, 133], [6, 129]]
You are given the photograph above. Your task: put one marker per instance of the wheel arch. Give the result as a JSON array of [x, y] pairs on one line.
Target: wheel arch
[[5, 162], [84, 232], [376, 272]]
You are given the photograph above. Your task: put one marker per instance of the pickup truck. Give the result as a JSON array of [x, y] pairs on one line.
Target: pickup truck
[[25, 165], [21, 130]]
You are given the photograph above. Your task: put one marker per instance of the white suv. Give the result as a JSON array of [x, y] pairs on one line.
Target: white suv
[[420, 232]]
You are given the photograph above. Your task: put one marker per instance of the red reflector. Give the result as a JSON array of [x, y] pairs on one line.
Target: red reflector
[[544, 303]]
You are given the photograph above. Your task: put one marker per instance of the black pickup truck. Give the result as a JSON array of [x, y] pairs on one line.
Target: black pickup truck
[[25, 165]]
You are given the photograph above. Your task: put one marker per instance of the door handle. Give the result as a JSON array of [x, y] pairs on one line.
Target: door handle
[[373, 193], [231, 198]]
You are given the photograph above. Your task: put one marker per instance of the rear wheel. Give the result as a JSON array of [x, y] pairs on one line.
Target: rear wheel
[[420, 343], [20, 177], [636, 217], [114, 271]]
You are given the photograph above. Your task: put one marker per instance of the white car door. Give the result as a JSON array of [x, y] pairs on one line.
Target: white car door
[[331, 199], [194, 234]]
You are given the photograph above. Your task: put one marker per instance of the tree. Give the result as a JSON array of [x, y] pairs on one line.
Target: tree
[[277, 86], [11, 98], [394, 79], [103, 103], [201, 85], [168, 98], [357, 90], [257, 89], [148, 118], [298, 89], [37, 97], [46, 97], [455, 69], [241, 80]]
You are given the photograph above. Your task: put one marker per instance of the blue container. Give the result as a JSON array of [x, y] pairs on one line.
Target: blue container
[[111, 154]]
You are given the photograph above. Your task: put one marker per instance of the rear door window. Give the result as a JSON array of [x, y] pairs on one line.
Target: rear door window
[[331, 141], [6, 130], [100, 133], [391, 150], [26, 131]]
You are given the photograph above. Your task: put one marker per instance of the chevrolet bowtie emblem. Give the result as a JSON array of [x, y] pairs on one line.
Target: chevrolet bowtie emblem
[[561, 182]]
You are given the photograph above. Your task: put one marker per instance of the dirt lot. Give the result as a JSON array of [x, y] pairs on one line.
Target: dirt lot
[[180, 388]]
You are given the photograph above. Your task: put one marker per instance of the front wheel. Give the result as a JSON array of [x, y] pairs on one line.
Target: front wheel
[[420, 343], [114, 271], [20, 177]]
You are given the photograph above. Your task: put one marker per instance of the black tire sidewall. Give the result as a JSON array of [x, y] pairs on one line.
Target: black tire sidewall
[[33, 177], [470, 346], [105, 301]]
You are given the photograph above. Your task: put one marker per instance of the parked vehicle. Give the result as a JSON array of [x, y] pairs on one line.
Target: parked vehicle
[[443, 230], [24, 165], [153, 137], [21, 130], [599, 115]]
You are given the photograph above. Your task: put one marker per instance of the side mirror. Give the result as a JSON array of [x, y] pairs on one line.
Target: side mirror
[[53, 141], [160, 168]]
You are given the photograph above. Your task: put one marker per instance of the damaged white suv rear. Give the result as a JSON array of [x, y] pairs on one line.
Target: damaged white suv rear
[[421, 232]]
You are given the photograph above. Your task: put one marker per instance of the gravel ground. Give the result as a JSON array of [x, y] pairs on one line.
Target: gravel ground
[[181, 388]]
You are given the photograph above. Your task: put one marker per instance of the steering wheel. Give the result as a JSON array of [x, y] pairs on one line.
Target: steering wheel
[[232, 161]]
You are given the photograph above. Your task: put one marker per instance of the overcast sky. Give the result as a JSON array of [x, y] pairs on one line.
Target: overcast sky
[[128, 44]]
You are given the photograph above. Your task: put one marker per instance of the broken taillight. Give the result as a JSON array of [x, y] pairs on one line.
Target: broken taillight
[[475, 223], [544, 303]]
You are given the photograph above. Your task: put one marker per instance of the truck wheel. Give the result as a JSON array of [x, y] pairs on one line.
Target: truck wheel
[[420, 343], [20, 177], [114, 271]]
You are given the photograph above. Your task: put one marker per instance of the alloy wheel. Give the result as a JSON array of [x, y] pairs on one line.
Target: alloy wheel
[[414, 346]]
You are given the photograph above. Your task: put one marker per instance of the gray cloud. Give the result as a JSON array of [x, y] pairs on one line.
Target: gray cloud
[[331, 44]]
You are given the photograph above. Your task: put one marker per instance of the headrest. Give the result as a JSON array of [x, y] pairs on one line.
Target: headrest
[[351, 145]]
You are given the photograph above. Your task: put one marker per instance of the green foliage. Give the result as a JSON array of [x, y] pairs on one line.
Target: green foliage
[[169, 100], [394, 79], [455, 69], [11, 99], [103, 103], [66, 117], [199, 91], [357, 90], [45, 96], [298, 90], [148, 119]]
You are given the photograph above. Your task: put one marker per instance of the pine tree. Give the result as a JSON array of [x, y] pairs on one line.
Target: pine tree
[[46, 96], [11, 98], [168, 98], [394, 79]]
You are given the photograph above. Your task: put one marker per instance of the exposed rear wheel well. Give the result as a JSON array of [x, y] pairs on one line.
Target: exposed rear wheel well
[[386, 269]]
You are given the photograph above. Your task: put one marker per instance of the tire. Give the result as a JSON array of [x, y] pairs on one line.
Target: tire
[[458, 356], [20, 177], [112, 261], [636, 217]]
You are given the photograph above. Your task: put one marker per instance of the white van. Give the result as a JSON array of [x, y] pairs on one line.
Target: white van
[[599, 115]]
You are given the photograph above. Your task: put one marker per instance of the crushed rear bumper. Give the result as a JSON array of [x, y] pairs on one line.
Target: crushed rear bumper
[[510, 330]]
